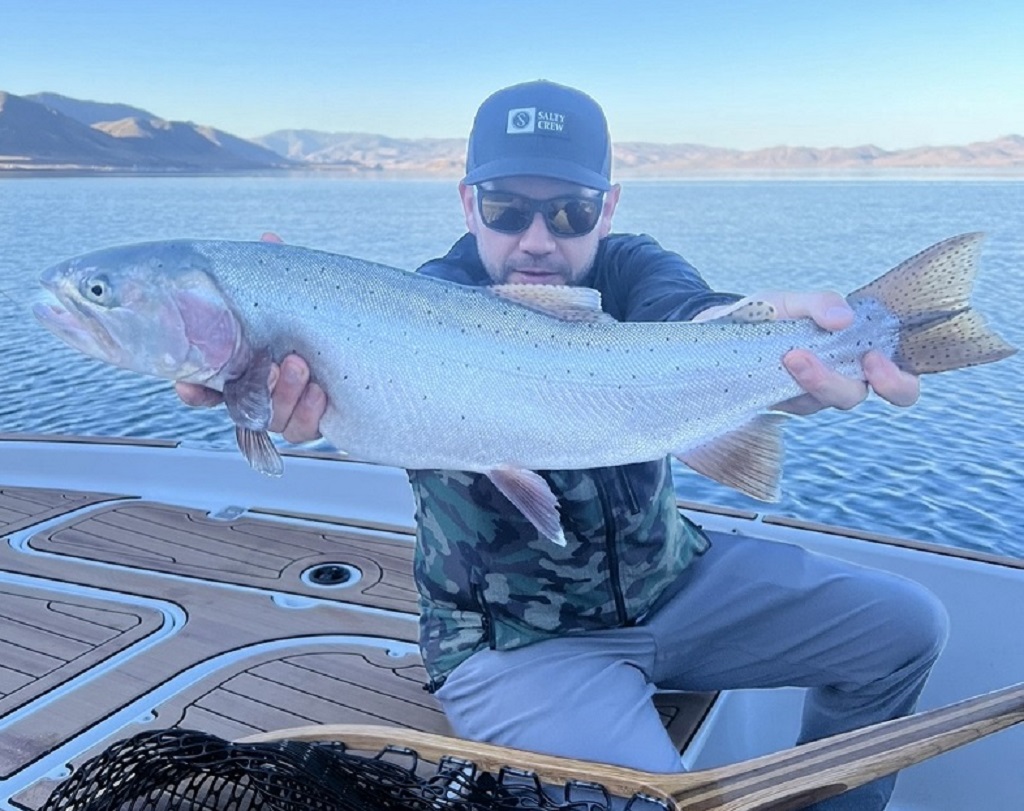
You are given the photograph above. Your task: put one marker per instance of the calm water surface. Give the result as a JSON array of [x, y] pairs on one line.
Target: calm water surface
[[950, 470]]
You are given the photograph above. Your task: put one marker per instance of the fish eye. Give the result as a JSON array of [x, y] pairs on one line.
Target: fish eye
[[96, 288]]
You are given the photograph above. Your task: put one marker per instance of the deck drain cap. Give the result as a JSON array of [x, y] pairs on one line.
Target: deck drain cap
[[327, 575]]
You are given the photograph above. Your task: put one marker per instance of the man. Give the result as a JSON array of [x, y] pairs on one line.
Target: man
[[560, 650]]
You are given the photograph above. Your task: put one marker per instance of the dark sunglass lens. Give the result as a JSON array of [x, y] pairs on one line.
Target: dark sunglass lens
[[573, 216], [504, 212]]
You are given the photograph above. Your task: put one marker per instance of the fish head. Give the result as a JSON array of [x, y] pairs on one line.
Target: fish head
[[152, 308]]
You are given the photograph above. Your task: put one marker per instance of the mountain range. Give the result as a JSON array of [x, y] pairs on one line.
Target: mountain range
[[51, 132]]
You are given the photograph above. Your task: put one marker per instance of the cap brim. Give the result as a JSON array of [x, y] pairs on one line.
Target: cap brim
[[538, 167]]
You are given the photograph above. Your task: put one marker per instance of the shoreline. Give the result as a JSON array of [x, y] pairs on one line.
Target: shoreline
[[950, 173]]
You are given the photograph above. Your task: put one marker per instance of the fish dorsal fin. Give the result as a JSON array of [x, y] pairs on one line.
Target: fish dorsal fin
[[748, 458], [531, 494], [560, 301]]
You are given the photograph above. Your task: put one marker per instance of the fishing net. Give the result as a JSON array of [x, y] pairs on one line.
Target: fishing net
[[186, 770]]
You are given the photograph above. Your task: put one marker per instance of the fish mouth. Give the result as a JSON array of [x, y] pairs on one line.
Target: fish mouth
[[74, 325]]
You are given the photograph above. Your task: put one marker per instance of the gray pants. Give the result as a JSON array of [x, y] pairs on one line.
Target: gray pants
[[747, 614]]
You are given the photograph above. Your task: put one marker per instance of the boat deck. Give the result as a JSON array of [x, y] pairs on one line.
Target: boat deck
[[119, 614]]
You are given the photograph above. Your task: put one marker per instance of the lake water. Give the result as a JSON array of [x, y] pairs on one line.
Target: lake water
[[950, 470]]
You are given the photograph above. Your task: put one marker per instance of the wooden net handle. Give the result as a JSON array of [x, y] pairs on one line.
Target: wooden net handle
[[790, 779]]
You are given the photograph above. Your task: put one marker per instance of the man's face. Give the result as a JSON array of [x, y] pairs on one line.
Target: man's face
[[536, 256]]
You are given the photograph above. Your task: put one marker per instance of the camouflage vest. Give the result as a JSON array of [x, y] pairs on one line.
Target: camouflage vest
[[486, 578]]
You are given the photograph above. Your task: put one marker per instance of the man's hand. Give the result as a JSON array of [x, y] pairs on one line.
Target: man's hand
[[823, 387], [297, 403]]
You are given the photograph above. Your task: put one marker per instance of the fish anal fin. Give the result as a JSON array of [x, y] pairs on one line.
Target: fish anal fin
[[748, 458], [259, 450], [559, 301], [530, 493]]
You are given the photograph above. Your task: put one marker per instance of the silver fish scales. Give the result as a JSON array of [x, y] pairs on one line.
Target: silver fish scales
[[507, 380]]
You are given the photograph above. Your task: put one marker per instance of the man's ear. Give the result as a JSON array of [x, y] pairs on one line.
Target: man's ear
[[468, 206], [611, 199]]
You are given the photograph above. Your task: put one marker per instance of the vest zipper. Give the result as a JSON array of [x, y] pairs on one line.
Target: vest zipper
[[486, 623], [613, 553]]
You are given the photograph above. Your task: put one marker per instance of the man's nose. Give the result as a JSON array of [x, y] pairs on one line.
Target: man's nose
[[537, 238]]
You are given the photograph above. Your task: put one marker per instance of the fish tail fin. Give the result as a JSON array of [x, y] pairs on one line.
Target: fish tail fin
[[930, 295]]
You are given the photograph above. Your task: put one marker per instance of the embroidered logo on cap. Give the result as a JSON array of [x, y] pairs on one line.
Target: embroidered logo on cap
[[530, 120], [521, 120]]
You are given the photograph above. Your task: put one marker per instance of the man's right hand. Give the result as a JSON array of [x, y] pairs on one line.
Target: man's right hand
[[298, 403]]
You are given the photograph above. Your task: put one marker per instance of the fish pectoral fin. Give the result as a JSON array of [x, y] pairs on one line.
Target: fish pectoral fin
[[533, 497], [560, 301], [748, 458], [247, 398], [259, 449]]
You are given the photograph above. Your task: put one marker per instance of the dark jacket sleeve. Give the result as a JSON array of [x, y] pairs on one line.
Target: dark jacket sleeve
[[641, 281], [637, 278]]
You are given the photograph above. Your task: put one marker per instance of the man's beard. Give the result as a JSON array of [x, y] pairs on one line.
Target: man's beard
[[545, 267]]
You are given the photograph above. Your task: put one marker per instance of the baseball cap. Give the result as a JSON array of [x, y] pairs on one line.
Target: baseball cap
[[540, 128]]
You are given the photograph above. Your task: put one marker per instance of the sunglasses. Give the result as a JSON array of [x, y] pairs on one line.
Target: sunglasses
[[510, 213]]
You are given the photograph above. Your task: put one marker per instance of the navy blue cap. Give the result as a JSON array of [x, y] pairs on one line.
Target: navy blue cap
[[543, 129]]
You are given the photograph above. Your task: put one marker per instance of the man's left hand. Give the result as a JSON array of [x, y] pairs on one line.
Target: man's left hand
[[823, 387]]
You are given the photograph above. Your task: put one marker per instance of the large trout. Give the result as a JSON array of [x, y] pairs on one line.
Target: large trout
[[504, 380]]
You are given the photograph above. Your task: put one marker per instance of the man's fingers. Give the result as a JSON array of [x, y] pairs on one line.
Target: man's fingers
[[287, 389], [829, 388], [198, 396], [304, 424], [890, 382], [270, 236]]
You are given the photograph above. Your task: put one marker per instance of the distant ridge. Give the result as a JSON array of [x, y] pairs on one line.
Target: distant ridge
[[368, 152], [642, 159], [48, 131], [33, 134], [365, 152], [65, 134], [88, 112]]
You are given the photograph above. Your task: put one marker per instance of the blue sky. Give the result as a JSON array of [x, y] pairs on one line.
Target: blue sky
[[740, 74]]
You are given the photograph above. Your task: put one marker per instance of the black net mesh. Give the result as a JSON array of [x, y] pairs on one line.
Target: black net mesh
[[186, 770]]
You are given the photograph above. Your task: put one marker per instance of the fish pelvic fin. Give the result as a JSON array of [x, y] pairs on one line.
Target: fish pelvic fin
[[748, 458], [530, 493], [929, 294]]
